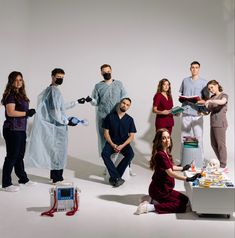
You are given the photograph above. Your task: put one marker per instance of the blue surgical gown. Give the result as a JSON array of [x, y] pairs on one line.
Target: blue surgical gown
[[106, 97], [48, 140]]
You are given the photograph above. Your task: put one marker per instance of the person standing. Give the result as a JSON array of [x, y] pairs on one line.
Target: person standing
[[162, 105], [162, 196], [17, 111], [48, 143], [217, 105], [119, 130], [105, 96], [192, 122]]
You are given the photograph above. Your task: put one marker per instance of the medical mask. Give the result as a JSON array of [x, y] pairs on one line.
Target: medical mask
[[107, 76], [58, 81]]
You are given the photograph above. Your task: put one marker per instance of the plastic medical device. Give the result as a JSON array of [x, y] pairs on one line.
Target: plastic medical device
[[64, 198]]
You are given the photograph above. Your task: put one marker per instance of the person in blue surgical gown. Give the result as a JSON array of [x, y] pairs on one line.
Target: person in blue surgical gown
[[48, 142], [105, 96]]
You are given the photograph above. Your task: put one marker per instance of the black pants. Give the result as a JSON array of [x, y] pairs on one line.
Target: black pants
[[15, 147], [56, 175]]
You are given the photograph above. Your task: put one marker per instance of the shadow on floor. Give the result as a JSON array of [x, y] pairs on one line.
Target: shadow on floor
[[129, 199], [32, 177], [37, 209], [86, 170], [209, 217], [82, 169]]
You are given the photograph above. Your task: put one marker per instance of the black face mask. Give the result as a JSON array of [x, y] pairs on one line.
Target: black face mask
[[107, 76], [58, 81]]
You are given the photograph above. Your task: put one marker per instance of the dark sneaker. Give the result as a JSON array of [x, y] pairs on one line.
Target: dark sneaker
[[112, 181], [119, 182]]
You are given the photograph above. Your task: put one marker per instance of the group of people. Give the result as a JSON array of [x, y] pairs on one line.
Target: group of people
[[162, 197], [48, 141], [192, 115], [115, 129]]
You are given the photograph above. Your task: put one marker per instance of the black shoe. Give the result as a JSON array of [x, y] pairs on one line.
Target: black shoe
[[112, 181], [119, 182]]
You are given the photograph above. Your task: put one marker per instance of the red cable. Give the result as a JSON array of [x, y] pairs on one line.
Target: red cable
[[52, 210], [72, 212]]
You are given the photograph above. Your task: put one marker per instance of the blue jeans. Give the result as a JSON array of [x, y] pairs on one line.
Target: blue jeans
[[117, 172], [15, 147]]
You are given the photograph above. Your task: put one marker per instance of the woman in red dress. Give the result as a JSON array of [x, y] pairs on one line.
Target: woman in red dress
[[162, 196], [162, 105]]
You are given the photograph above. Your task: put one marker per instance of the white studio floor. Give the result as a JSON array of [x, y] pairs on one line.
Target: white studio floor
[[104, 211]]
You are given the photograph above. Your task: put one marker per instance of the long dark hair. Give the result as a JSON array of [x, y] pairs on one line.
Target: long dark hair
[[157, 146], [19, 94]]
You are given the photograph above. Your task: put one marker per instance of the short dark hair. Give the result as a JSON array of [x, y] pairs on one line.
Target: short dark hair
[[195, 62], [125, 99], [105, 66], [57, 71]]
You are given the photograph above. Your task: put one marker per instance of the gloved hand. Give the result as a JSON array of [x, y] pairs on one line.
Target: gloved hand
[[30, 112], [194, 177], [186, 167], [81, 100], [88, 99], [72, 121]]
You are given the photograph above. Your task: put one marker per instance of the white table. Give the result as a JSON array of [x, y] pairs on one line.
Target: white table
[[212, 200]]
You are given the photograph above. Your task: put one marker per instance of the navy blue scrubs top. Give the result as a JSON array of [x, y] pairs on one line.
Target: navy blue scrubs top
[[119, 129]]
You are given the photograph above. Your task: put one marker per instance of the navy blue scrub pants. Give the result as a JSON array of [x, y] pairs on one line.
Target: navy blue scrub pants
[[116, 172]]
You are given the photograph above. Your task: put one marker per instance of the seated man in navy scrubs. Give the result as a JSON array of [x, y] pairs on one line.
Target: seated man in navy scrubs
[[119, 129]]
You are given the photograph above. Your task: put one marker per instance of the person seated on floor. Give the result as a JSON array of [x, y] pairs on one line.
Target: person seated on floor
[[119, 130], [163, 198]]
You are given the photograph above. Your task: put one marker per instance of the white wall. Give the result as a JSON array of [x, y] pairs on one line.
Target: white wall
[[144, 41]]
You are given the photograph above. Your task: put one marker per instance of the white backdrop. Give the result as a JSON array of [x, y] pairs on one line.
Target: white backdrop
[[144, 41]]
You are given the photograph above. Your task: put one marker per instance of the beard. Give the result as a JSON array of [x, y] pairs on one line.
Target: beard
[[122, 109]]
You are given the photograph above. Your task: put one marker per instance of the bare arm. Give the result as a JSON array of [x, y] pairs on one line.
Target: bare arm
[[128, 141], [164, 112], [172, 174], [216, 101], [177, 168], [108, 138], [11, 112]]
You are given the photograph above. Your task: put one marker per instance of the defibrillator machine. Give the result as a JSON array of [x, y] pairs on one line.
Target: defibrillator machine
[[63, 198]]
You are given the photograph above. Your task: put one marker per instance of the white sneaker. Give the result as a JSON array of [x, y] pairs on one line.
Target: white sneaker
[[142, 208], [11, 188], [131, 172], [28, 184]]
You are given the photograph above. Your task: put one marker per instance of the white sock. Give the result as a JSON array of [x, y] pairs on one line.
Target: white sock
[[150, 208]]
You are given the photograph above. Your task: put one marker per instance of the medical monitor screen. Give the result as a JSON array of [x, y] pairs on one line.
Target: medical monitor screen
[[66, 192]]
